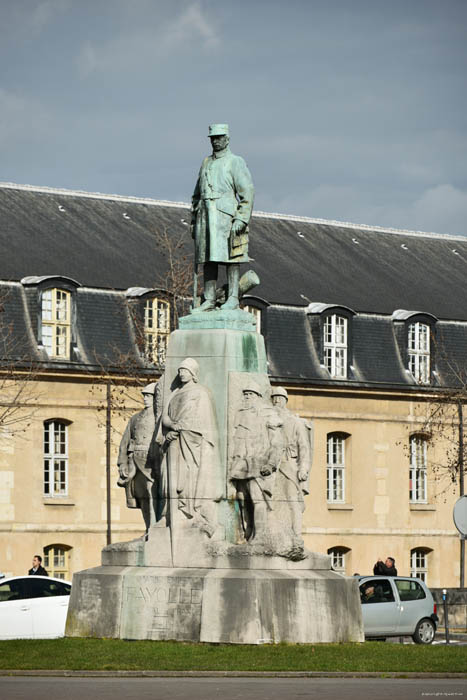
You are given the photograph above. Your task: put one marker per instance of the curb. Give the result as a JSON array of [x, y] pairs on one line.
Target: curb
[[229, 674]]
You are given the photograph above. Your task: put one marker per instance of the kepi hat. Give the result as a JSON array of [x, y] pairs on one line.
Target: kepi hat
[[218, 130]]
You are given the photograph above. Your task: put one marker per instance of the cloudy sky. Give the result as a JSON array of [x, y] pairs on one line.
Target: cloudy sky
[[354, 110]]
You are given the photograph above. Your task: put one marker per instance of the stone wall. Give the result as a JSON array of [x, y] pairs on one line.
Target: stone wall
[[456, 606]]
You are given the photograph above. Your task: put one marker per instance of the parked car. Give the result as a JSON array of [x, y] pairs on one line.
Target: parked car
[[33, 607], [396, 606]]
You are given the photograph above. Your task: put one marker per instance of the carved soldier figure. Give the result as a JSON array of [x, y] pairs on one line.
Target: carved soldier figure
[[137, 459], [293, 473], [191, 454], [257, 449], [222, 205]]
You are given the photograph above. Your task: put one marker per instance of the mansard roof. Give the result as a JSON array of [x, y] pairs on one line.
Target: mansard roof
[[108, 241]]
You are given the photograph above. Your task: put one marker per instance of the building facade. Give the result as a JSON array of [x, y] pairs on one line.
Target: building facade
[[365, 327]]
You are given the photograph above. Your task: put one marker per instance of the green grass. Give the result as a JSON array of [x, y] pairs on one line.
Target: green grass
[[114, 654]]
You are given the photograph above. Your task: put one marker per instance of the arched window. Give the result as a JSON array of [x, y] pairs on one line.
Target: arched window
[[55, 458], [156, 330], [419, 562], [335, 345], [56, 322], [57, 560], [339, 558], [418, 469], [335, 461], [418, 344]]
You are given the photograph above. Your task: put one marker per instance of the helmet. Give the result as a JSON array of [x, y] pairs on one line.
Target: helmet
[[279, 391], [191, 365], [252, 386], [218, 130], [149, 388]]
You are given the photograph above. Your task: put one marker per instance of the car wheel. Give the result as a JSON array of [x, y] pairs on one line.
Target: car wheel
[[424, 632]]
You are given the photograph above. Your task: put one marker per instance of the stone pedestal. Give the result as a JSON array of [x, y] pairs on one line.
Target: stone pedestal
[[215, 605], [183, 581]]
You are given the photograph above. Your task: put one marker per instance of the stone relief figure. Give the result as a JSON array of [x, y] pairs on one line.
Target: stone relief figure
[[257, 449], [293, 472], [222, 205], [138, 458], [191, 450]]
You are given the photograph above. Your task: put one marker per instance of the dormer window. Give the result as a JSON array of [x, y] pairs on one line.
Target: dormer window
[[418, 343], [415, 340], [335, 345], [56, 322], [256, 313], [156, 329]]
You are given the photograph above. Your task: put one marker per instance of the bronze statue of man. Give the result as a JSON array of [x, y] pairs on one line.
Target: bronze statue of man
[[222, 205]]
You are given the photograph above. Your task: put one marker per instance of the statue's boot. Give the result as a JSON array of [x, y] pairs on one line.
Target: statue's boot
[[233, 278], [210, 297]]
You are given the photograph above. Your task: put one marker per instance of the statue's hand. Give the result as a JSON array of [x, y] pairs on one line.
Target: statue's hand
[[171, 435], [237, 227], [231, 491], [302, 475], [265, 471]]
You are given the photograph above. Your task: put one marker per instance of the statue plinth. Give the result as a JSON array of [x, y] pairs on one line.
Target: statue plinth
[[187, 580]]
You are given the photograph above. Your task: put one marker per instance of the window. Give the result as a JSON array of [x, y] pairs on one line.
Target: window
[[419, 351], [419, 563], [335, 345], [156, 330], [418, 469], [56, 322], [55, 458], [338, 558], [56, 560], [409, 590], [335, 460], [378, 590], [256, 313]]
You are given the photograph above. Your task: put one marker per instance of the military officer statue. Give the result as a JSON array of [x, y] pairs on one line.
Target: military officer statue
[[222, 204]]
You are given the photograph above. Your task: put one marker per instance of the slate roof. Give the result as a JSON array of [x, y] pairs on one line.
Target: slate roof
[[108, 242]]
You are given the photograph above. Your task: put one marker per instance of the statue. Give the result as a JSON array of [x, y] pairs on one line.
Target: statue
[[293, 472], [257, 449], [190, 450], [137, 459], [222, 205]]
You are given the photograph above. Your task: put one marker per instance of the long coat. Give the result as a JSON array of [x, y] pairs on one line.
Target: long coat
[[224, 191], [137, 452]]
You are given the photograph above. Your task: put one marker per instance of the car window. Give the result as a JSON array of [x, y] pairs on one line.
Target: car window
[[410, 590], [376, 591], [11, 590], [44, 588]]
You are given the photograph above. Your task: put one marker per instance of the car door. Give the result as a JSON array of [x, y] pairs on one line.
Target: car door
[[380, 611], [49, 600], [414, 604], [15, 610]]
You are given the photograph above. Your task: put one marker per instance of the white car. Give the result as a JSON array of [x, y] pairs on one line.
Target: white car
[[33, 607]]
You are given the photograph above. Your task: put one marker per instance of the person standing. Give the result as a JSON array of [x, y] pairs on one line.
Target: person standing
[[386, 568], [37, 568], [222, 205]]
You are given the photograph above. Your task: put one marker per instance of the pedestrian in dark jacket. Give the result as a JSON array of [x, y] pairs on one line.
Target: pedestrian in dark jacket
[[386, 568], [37, 568]]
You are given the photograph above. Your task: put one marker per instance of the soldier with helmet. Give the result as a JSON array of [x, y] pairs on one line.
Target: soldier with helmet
[[222, 205], [137, 459], [293, 472], [257, 448]]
